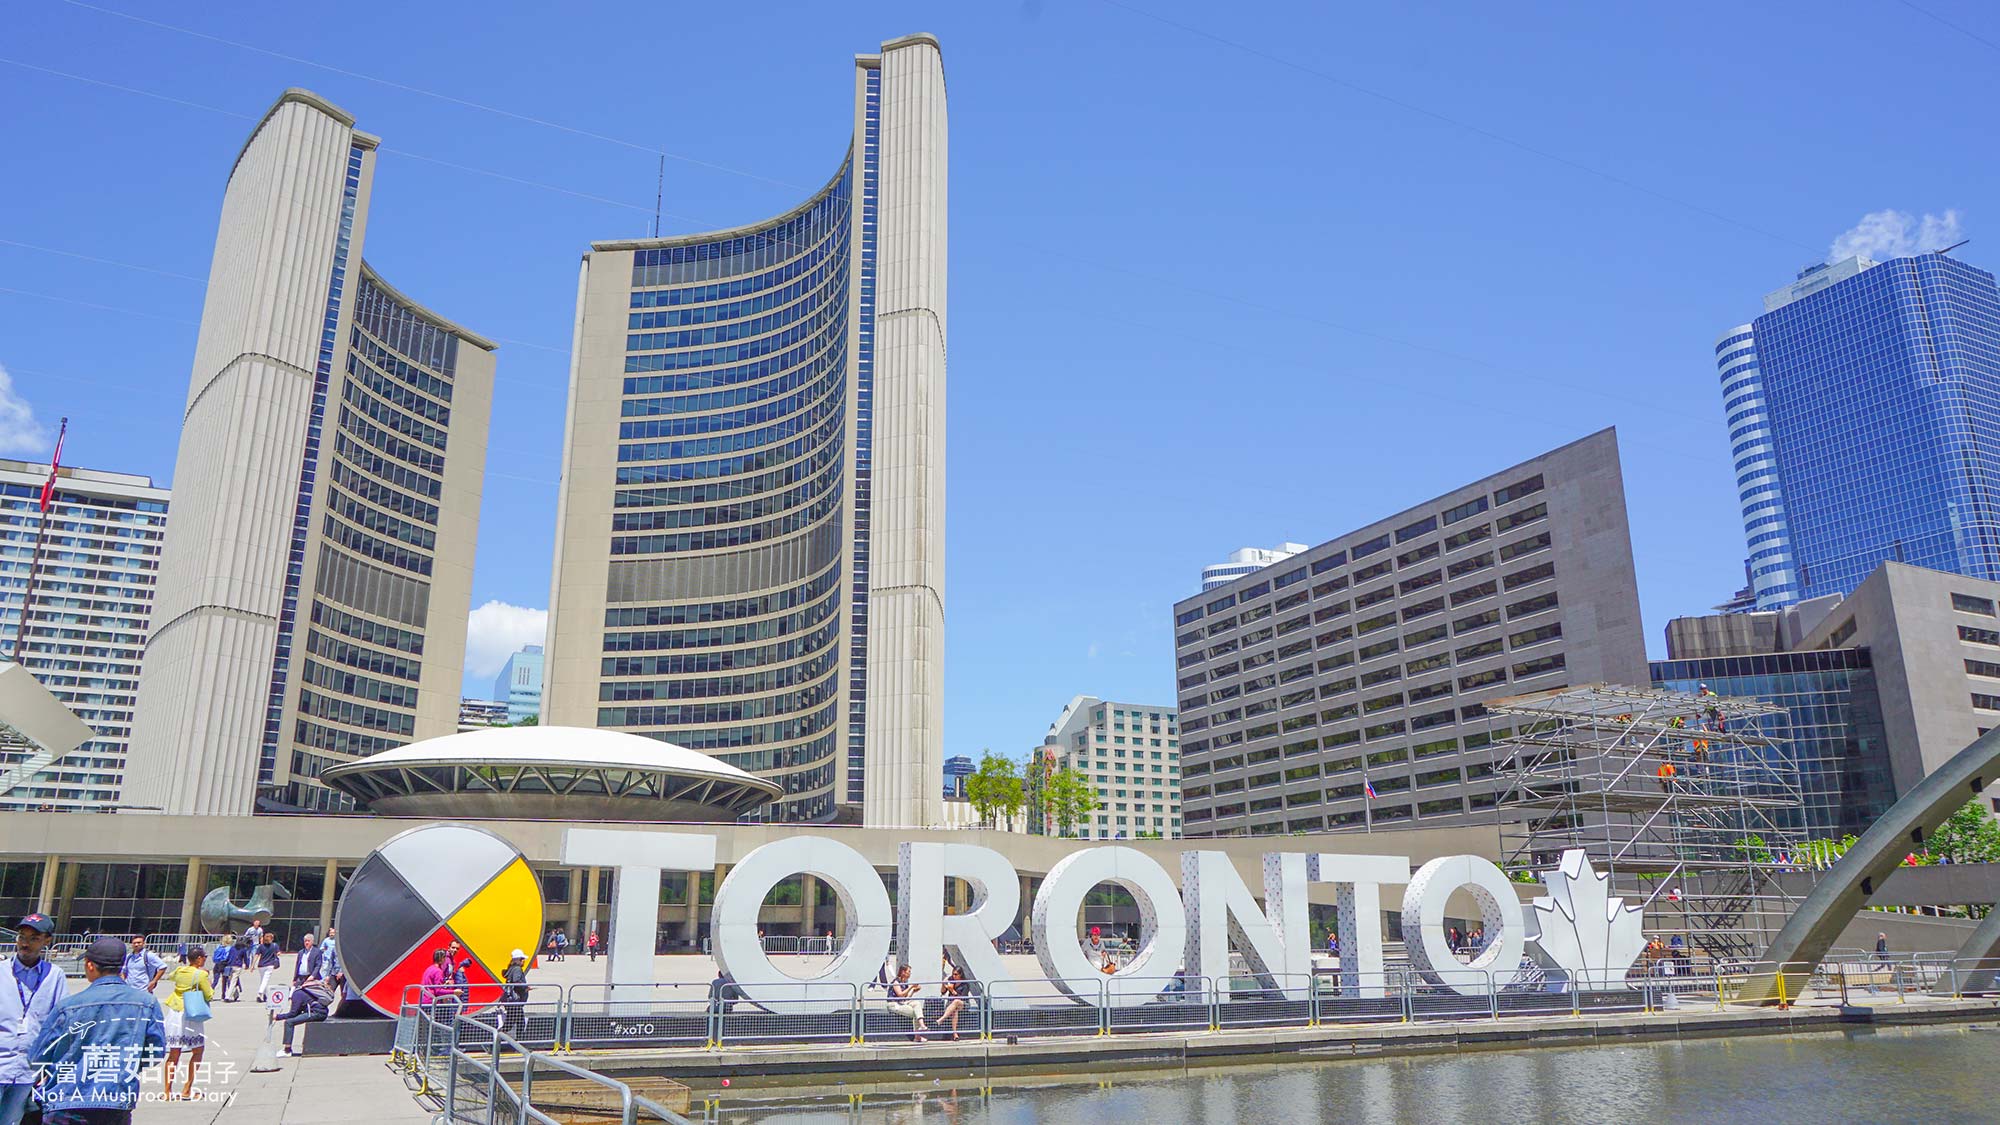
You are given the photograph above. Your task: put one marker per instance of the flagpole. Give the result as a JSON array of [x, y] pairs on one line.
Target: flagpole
[[41, 536]]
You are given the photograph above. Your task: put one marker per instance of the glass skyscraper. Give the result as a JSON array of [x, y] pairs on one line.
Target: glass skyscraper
[[1864, 414], [750, 537]]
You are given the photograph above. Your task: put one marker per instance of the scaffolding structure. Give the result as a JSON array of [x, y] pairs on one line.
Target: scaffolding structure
[[1692, 804]]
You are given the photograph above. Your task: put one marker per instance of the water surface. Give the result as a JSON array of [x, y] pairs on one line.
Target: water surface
[[1915, 1076]]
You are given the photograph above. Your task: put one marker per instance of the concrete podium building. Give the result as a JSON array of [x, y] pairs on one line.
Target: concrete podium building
[[315, 583], [750, 533]]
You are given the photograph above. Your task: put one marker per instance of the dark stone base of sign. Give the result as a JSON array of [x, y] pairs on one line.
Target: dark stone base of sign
[[342, 1036]]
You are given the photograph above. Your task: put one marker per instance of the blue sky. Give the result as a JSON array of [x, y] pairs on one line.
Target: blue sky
[[1220, 276]]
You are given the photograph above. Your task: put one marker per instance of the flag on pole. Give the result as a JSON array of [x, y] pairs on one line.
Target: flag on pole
[[55, 463], [1369, 786]]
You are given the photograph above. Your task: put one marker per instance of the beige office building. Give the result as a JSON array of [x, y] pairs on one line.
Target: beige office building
[[1130, 753], [315, 583], [750, 536]]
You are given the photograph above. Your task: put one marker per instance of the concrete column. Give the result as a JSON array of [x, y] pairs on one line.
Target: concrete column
[[1026, 915], [66, 890], [575, 898], [45, 897], [329, 897], [808, 906], [589, 904], [691, 925], [191, 892]]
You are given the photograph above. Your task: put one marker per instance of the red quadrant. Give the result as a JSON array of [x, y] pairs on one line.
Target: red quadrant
[[388, 992]]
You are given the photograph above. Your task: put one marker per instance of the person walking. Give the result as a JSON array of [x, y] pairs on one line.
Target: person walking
[[436, 980], [31, 987], [904, 1002], [562, 944], [312, 1002], [186, 1010], [305, 966], [514, 993], [111, 1019], [242, 963], [142, 968], [329, 962], [590, 944], [550, 946], [267, 963], [222, 964]]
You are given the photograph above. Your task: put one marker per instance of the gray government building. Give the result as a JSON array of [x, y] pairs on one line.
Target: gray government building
[[1364, 664]]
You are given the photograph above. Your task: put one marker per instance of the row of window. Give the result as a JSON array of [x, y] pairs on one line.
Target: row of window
[[717, 636], [727, 536], [1501, 497]]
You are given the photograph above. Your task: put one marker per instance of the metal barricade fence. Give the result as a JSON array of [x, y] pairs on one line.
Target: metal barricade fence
[[1762, 983], [1972, 976], [1184, 1003], [476, 1087], [1359, 997], [783, 1013], [532, 1014], [1036, 1006], [1601, 992], [1535, 991], [1277, 1000], [1430, 995], [600, 1016], [885, 1019]]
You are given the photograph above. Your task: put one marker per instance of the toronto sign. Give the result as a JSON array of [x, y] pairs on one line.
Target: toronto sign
[[1576, 928]]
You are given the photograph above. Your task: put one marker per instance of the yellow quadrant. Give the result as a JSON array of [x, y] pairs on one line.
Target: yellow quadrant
[[505, 916]]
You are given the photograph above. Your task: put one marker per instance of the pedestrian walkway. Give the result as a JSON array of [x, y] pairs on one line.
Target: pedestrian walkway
[[308, 1091]]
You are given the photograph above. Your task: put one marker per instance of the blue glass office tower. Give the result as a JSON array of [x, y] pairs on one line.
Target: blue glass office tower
[[1864, 413]]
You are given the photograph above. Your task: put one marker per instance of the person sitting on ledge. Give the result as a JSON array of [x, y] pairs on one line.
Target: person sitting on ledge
[[312, 1000], [903, 1001]]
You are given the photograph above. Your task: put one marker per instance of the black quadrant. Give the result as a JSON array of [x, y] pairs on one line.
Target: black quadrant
[[380, 920]]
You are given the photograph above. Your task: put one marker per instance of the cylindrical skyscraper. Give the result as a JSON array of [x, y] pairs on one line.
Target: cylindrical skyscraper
[[750, 535]]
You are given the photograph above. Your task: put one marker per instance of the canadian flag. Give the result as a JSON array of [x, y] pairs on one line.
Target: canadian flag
[[55, 464]]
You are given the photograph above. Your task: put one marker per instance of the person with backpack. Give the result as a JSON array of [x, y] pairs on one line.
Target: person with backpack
[[312, 1000], [514, 993], [222, 964]]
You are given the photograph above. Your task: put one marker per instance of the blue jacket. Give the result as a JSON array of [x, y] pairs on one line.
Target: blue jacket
[[94, 1044]]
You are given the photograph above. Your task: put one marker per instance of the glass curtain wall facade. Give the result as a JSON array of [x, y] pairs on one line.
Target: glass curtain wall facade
[[1833, 726], [315, 585], [737, 485], [87, 626], [1876, 397]]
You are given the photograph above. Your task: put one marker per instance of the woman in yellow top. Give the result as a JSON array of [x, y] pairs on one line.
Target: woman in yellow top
[[185, 1032]]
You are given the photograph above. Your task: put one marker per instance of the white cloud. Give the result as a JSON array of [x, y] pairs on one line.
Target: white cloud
[[497, 631], [20, 434], [1896, 234]]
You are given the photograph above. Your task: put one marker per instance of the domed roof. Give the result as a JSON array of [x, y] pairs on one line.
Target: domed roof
[[570, 746], [552, 771]]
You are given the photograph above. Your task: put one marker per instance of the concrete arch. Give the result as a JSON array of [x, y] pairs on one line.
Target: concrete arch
[[1846, 888]]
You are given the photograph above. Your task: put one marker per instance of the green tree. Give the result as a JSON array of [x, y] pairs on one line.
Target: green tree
[[1972, 835], [530, 721], [995, 787], [1071, 799]]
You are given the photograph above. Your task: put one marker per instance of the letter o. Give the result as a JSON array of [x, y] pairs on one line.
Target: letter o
[[1162, 926], [1499, 911], [733, 926]]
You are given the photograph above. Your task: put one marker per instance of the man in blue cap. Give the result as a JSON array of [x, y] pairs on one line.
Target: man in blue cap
[[93, 1046], [30, 985]]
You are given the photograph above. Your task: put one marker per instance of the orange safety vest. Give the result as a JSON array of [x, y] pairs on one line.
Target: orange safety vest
[[1666, 770]]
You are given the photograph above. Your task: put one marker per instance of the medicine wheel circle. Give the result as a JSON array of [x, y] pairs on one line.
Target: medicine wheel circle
[[422, 890]]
